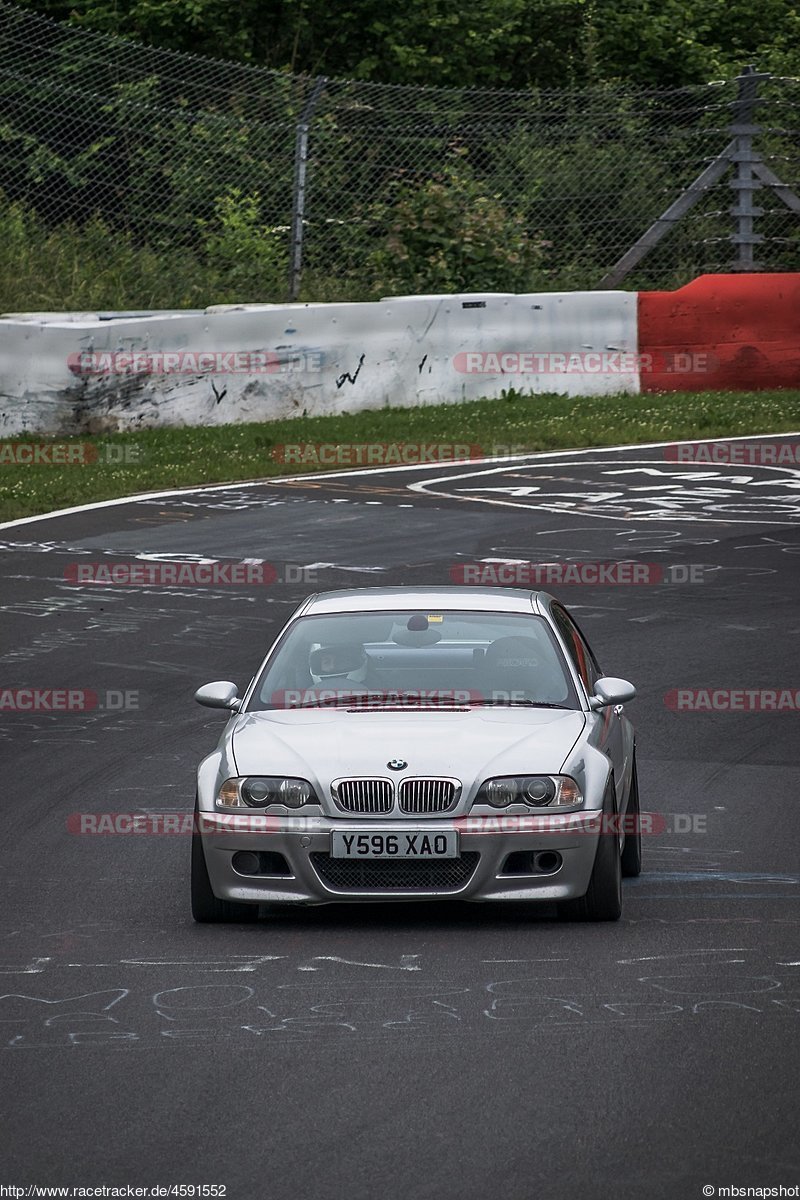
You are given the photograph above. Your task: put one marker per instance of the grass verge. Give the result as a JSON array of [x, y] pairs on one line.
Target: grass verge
[[172, 458]]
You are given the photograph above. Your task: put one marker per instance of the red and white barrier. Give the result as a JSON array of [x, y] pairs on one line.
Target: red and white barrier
[[83, 373]]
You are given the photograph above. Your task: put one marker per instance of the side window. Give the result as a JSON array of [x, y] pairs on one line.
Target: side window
[[578, 648]]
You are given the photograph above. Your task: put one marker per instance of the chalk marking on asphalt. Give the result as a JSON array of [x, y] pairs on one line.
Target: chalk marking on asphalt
[[680, 953], [34, 967], [408, 962], [426, 488]]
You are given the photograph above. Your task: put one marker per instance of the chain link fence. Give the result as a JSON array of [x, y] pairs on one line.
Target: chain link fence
[[288, 186]]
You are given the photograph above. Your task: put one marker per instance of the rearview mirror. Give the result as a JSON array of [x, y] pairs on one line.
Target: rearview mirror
[[609, 691], [221, 694]]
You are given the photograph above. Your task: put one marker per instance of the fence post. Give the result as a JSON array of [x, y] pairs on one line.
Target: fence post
[[299, 188], [744, 181], [751, 173]]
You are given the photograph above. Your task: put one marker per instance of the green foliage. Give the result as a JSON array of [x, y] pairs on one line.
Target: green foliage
[[677, 42], [138, 180], [250, 257], [475, 43], [92, 267], [448, 235]]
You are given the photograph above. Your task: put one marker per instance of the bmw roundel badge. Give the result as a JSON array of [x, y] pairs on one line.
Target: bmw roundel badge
[[397, 764]]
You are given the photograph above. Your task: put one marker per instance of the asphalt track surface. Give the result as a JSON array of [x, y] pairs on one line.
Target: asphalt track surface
[[415, 1051]]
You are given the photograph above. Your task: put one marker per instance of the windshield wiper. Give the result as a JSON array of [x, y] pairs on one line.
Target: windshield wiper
[[411, 700], [369, 700], [491, 702]]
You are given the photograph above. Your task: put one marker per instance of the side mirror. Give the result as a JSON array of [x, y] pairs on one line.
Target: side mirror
[[219, 695], [611, 691]]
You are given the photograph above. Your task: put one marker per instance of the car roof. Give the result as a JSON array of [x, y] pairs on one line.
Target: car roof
[[472, 599]]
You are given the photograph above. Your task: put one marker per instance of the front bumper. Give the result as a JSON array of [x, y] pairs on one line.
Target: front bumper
[[573, 836]]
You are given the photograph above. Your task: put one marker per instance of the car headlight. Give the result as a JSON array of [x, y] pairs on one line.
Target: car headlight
[[537, 791], [260, 791]]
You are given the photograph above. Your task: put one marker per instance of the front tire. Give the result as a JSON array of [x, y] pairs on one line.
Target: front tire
[[632, 850], [603, 899], [206, 908]]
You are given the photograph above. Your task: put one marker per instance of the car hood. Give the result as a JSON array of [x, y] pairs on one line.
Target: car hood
[[321, 745]]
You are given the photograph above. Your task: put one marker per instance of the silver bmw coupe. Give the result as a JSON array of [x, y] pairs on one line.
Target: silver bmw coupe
[[416, 744]]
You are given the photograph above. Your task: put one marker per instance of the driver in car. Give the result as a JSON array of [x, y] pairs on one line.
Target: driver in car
[[341, 666]]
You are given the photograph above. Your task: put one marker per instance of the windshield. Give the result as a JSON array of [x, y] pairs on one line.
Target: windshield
[[413, 658]]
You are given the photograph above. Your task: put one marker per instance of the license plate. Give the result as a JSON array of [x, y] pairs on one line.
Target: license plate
[[412, 843]]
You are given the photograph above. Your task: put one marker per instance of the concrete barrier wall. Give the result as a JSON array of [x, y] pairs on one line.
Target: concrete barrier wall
[[722, 333], [91, 373], [68, 373]]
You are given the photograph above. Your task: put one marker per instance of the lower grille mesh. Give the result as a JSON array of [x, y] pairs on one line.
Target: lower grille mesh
[[410, 874]]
